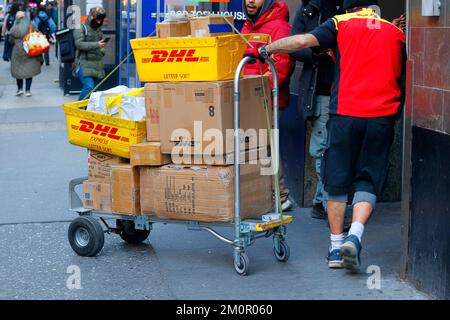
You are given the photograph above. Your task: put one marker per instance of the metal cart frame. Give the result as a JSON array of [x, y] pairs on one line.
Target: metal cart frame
[[86, 234]]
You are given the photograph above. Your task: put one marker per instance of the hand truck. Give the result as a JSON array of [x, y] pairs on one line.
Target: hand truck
[[86, 233]]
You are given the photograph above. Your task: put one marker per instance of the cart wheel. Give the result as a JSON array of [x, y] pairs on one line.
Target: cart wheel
[[242, 265], [129, 234], [86, 236], [284, 253]]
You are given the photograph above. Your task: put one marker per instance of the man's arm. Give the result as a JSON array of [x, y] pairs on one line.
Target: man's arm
[[402, 79], [52, 25], [400, 22], [324, 36], [293, 44], [284, 63]]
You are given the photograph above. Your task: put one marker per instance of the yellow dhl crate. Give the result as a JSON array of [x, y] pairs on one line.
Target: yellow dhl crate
[[188, 59], [102, 132]]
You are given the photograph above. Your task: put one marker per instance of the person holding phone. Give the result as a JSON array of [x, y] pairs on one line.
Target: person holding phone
[[91, 44]]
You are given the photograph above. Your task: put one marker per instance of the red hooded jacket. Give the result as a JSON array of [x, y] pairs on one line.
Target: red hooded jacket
[[275, 23]]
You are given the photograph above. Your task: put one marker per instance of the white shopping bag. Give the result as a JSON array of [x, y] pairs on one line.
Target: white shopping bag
[[128, 106], [97, 101]]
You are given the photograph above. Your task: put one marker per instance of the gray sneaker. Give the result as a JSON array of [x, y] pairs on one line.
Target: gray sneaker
[[351, 251], [287, 205], [334, 259]]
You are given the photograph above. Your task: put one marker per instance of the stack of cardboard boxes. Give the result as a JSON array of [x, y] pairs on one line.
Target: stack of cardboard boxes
[[184, 171], [200, 185], [97, 189]]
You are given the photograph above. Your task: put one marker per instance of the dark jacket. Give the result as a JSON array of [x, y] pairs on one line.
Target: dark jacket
[[89, 54], [45, 24], [318, 68]]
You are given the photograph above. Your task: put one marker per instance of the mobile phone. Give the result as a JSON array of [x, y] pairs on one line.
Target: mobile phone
[[106, 39]]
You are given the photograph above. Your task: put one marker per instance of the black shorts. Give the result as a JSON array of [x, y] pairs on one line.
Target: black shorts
[[357, 155]]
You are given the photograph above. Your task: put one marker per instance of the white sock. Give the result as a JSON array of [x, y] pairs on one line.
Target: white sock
[[336, 241], [357, 229]]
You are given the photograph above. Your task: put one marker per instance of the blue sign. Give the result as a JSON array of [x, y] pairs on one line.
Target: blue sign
[[149, 10]]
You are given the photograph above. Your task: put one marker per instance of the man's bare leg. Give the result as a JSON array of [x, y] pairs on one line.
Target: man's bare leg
[[362, 212], [336, 212]]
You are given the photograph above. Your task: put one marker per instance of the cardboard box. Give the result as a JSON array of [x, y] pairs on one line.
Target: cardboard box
[[148, 154], [203, 193], [190, 111], [125, 190], [173, 29], [99, 165], [152, 103], [211, 26], [97, 196], [247, 156]]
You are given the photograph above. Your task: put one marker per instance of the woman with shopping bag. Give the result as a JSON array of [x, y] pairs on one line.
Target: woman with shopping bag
[[23, 66]]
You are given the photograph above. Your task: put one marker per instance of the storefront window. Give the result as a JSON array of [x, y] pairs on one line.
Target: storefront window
[[129, 23]]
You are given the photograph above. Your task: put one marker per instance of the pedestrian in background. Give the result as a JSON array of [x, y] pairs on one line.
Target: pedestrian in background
[[45, 24], [6, 28], [52, 11], [32, 11], [89, 65], [22, 66], [271, 18], [315, 84]]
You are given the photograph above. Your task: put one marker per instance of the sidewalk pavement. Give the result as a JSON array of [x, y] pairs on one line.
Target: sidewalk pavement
[[37, 164], [45, 88], [175, 263]]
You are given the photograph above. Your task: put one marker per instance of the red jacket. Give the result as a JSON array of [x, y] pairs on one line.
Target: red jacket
[[275, 23]]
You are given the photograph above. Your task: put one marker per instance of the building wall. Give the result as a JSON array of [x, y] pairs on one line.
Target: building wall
[[426, 240], [430, 51]]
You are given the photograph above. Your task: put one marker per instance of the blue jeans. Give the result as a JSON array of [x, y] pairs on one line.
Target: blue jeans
[[47, 58], [87, 82], [7, 49], [318, 144]]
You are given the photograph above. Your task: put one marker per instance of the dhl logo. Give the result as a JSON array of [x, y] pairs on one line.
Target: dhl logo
[[99, 130], [184, 55]]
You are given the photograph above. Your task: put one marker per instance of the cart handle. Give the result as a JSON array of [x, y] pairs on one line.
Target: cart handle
[[237, 138]]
